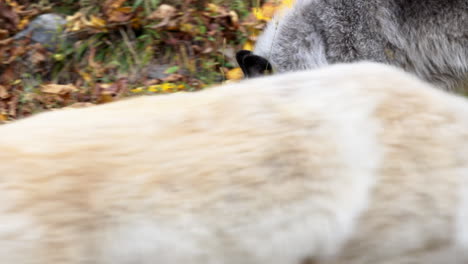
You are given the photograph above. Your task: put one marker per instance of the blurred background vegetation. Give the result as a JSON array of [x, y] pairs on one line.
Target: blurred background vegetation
[[109, 49]]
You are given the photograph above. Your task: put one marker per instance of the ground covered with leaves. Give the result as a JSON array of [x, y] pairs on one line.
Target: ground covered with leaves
[[119, 48]]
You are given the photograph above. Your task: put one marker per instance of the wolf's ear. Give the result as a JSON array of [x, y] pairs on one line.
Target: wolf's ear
[[253, 65], [240, 56]]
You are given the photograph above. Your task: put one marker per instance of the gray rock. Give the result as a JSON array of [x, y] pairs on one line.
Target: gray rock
[[46, 29], [157, 71]]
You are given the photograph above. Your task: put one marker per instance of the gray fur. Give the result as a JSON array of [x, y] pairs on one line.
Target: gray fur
[[426, 37]]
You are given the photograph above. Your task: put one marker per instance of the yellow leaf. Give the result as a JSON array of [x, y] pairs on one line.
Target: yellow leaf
[[97, 22], [185, 27], [181, 87], [3, 117], [74, 22], [76, 26], [86, 76], [287, 3], [17, 81], [235, 74], [23, 23], [267, 11], [248, 45], [93, 22], [154, 88], [59, 57], [74, 17], [213, 8], [137, 90], [166, 87], [259, 15]]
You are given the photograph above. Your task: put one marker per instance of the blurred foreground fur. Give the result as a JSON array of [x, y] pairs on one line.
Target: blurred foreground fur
[[425, 37], [355, 164]]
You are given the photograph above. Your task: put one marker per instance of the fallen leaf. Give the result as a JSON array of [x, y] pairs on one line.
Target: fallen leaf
[[168, 87], [173, 78], [97, 22], [113, 4], [248, 45], [171, 70], [234, 18], [37, 57], [163, 11], [138, 90], [12, 106], [3, 34], [8, 75], [213, 8], [154, 88], [235, 74], [8, 14], [86, 76], [23, 23], [152, 82], [60, 89], [121, 14], [105, 98], [4, 92]]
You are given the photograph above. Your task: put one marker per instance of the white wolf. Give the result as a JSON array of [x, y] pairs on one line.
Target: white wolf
[[357, 164]]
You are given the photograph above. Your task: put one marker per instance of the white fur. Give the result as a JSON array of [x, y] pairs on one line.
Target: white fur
[[356, 164]]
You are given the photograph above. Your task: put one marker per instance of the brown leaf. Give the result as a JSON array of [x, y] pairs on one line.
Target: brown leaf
[[60, 89], [37, 57], [7, 14], [3, 33], [15, 52], [105, 98], [113, 88], [4, 92], [8, 75], [173, 78], [113, 4], [152, 82], [7, 41], [121, 14], [12, 106]]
